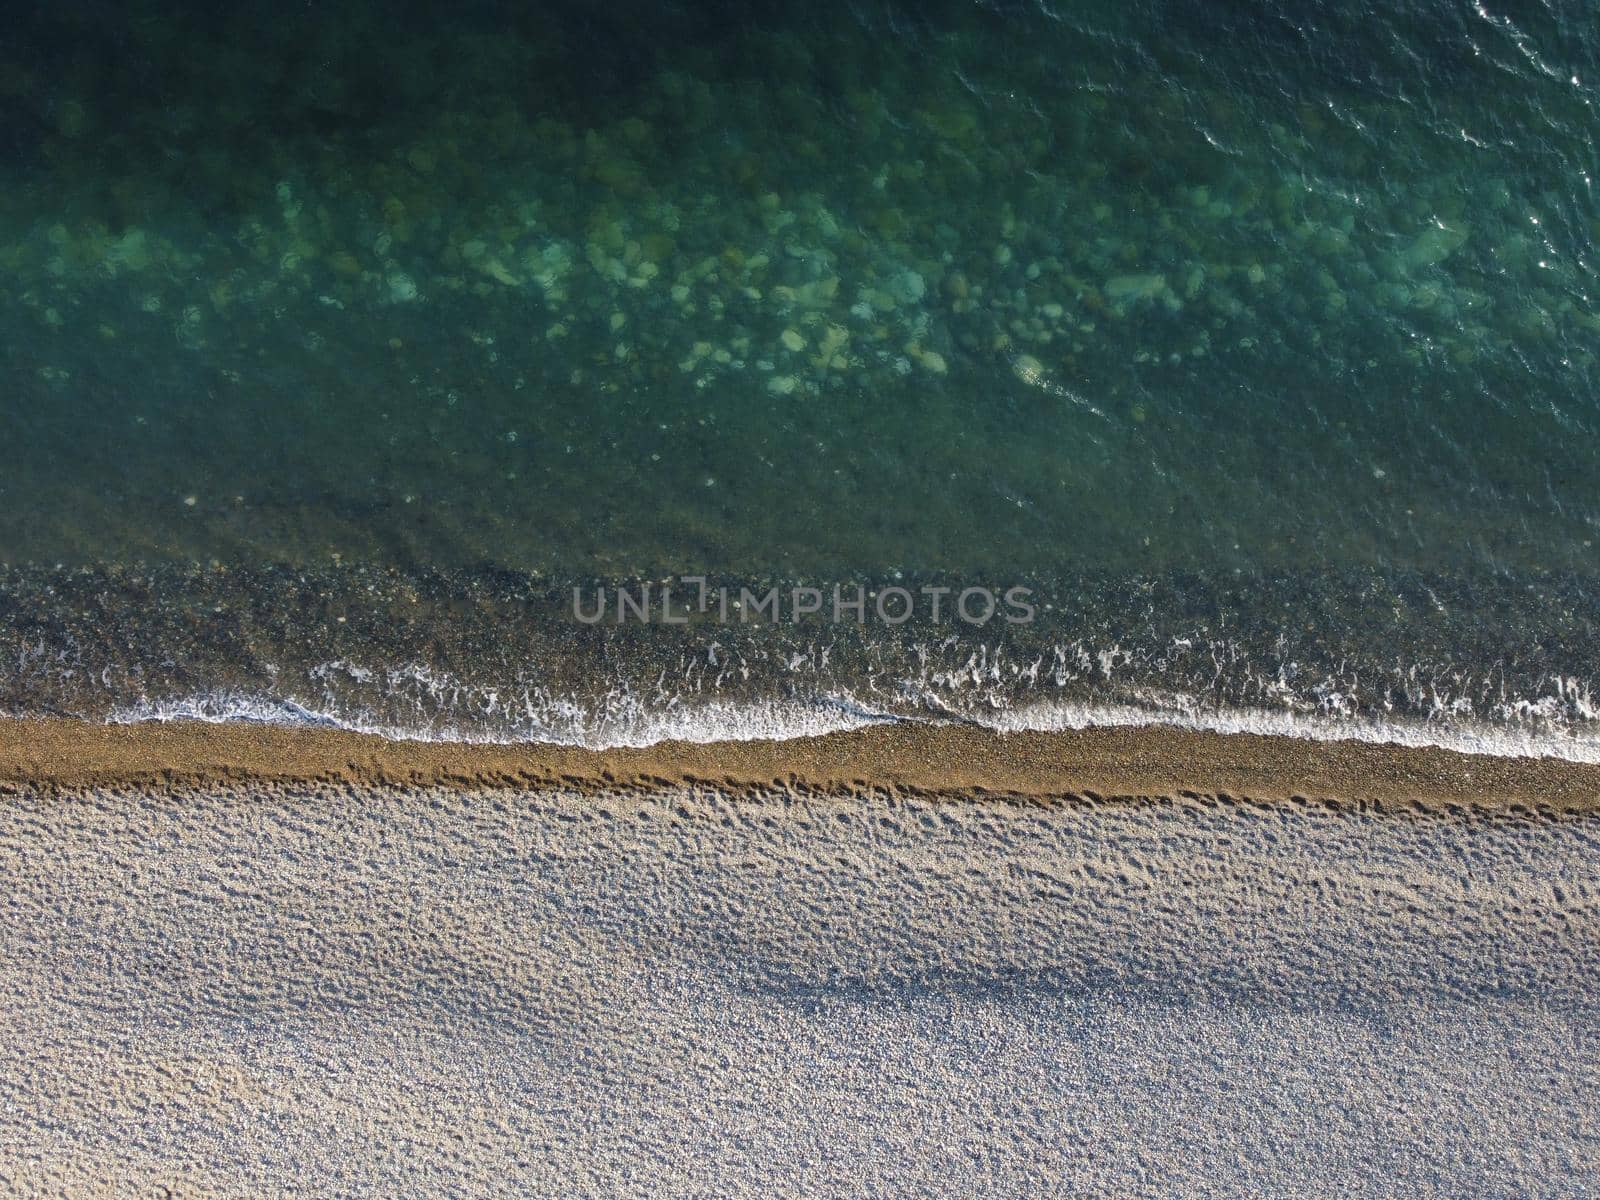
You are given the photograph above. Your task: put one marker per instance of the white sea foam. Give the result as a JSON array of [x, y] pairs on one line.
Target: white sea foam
[[714, 721], [1462, 736], [633, 725]]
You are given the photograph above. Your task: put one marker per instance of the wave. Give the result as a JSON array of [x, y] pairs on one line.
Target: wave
[[782, 720], [1503, 665], [703, 723]]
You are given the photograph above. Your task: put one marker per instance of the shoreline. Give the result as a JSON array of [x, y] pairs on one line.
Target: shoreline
[[912, 759], [492, 655]]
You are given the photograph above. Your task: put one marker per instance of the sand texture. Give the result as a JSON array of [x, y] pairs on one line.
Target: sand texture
[[908, 758], [348, 989]]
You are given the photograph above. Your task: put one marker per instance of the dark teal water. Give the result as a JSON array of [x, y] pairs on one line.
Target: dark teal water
[[339, 344]]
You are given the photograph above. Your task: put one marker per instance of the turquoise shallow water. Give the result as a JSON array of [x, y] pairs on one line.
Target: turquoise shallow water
[[339, 346]]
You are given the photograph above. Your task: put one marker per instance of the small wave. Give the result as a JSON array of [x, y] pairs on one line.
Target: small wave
[[704, 723], [796, 719], [1462, 737]]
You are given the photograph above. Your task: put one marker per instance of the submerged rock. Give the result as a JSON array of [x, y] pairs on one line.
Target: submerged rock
[[1129, 289], [1433, 246]]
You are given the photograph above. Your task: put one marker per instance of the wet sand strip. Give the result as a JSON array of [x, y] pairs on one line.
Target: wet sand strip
[[905, 759]]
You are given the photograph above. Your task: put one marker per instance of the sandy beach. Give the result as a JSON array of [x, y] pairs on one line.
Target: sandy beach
[[242, 962], [907, 758], [714, 600]]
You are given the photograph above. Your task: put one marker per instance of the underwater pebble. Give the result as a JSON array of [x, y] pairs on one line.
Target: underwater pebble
[[400, 288], [1131, 288]]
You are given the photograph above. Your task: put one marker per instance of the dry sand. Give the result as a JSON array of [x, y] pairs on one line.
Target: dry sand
[[251, 962]]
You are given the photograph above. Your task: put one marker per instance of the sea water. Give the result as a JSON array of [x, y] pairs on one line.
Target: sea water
[[351, 355]]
